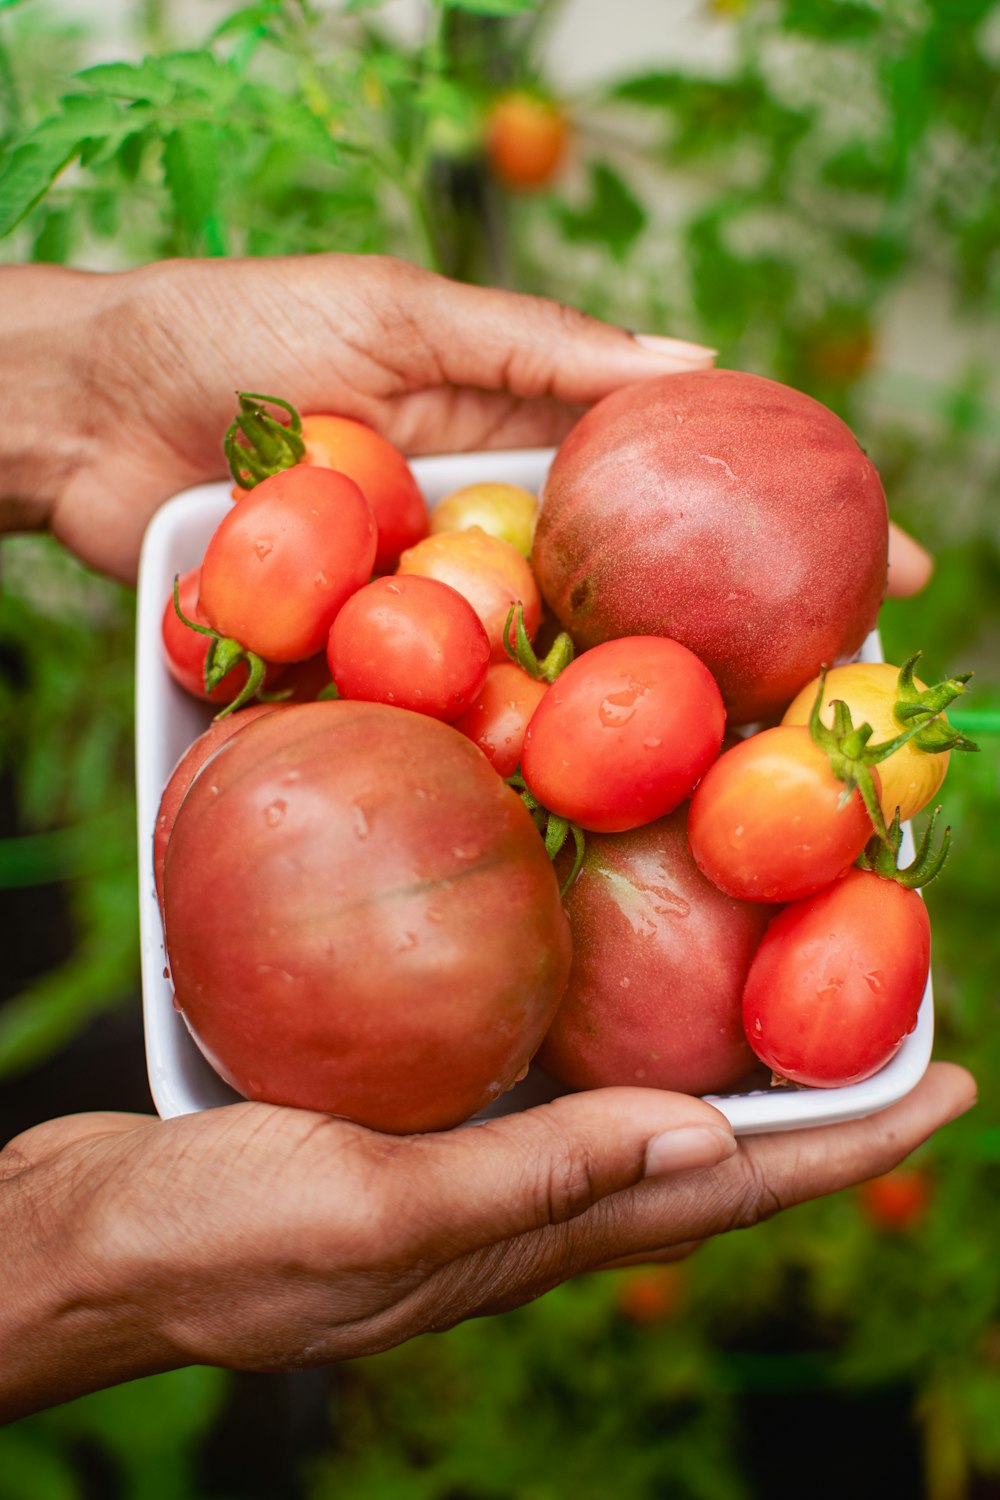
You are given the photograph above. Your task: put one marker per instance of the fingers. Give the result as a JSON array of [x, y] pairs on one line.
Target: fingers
[[46, 1140], [910, 567]]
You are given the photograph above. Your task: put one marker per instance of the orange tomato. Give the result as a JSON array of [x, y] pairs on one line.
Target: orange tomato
[[898, 1200], [491, 574], [525, 140]]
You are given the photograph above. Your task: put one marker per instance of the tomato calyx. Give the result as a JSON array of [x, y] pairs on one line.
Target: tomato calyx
[[554, 829], [223, 655], [257, 445], [934, 735], [881, 856], [523, 653]]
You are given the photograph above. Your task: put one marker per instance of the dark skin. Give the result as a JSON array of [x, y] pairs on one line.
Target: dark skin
[[266, 1238]]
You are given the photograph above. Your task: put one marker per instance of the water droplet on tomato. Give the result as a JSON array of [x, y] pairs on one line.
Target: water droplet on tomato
[[465, 852], [875, 981], [617, 709], [625, 982], [262, 546], [274, 812], [406, 942], [322, 580], [359, 818], [394, 588], [830, 990], [434, 914], [651, 743]]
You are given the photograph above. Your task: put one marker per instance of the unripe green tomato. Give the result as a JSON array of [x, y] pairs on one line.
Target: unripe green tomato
[[503, 510]]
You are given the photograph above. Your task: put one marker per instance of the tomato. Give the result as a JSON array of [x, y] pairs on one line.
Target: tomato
[[491, 574], [497, 720], [187, 768], [724, 511], [910, 777], [898, 1200], [303, 681], [526, 140], [837, 982], [381, 473], [413, 642], [185, 649], [767, 820], [623, 734], [503, 510], [650, 1295], [660, 957], [361, 917], [282, 562]]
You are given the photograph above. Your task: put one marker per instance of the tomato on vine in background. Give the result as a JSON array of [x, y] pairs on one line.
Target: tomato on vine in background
[[526, 140]]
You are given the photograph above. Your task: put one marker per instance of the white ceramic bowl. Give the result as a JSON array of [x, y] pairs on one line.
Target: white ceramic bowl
[[167, 720]]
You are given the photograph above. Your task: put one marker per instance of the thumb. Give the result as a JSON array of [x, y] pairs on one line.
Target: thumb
[[547, 1165]]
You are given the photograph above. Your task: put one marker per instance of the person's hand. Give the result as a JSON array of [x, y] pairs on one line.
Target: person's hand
[[122, 385], [267, 1238]]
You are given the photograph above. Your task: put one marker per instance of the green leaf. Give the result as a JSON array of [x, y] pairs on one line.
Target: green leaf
[[251, 19], [490, 7], [122, 80], [201, 73], [653, 89], [28, 172], [54, 240], [614, 217], [192, 169]]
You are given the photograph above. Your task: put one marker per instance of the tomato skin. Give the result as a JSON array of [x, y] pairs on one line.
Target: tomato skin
[[623, 734], [491, 574], [361, 917], [525, 140], [412, 642], [497, 720], [766, 822], [503, 510], [898, 1200], [660, 958], [282, 562], [910, 777], [381, 473], [185, 650], [836, 984]]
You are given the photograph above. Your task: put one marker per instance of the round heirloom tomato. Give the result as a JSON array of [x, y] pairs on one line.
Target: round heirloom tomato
[[412, 642], [623, 734], [361, 917], [769, 823], [503, 510], [837, 981], [282, 562]]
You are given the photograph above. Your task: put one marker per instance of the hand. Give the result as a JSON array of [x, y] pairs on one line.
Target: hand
[[123, 384], [267, 1238]]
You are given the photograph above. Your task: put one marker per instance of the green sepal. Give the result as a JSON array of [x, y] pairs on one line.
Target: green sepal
[[554, 829], [223, 654], [255, 680], [523, 655], [881, 856], [936, 735], [257, 445], [328, 694]]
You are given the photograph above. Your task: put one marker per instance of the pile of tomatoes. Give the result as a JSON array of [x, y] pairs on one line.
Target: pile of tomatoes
[[426, 842]]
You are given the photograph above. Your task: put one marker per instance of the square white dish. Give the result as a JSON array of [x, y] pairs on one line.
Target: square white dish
[[168, 719]]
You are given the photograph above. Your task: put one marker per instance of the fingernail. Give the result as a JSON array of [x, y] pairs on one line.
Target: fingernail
[[696, 354], [692, 1146]]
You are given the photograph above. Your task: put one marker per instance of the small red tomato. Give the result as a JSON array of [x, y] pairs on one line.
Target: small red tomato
[[623, 734], [491, 574], [381, 473], [412, 642], [185, 649], [282, 562], [650, 1295], [767, 822], [898, 1200], [837, 981], [497, 720]]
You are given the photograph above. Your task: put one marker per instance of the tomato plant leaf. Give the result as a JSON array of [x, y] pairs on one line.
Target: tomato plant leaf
[[28, 172], [143, 80], [614, 216], [489, 7], [192, 171]]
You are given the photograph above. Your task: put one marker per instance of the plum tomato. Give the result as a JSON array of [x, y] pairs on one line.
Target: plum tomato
[[660, 957], [491, 574], [361, 917], [768, 821], [185, 649], [623, 734], [381, 473], [503, 510], [836, 983], [412, 642], [497, 720], [281, 563]]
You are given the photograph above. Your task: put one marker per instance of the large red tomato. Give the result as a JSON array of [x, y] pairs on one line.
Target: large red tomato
[[361, 917], [660, 957], [727, 512]]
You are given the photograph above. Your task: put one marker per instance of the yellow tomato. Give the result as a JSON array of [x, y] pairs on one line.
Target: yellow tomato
[[503, 510], [911, 776]]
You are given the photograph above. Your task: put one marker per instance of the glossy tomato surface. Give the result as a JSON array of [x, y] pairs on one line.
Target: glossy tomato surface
[[361, 917], [281, 563], [837, 982], [623, 734], [382, 474], [185, 649], [498, 718], [660, 957], [491, 574], [768, 822], [725, 511]]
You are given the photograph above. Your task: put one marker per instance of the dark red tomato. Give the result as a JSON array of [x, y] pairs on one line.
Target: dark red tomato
[[837, 981], [497, 720], [185, 650], [660, 957], [282, 562], [898, 1200], [488, 571], [623, 734], [361, 917], [412, 642], [767, 822], [184, 773]]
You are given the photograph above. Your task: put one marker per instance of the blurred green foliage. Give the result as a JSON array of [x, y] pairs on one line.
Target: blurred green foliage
[[824, 206]]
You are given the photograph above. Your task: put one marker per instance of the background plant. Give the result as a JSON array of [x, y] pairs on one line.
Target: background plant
[[801, 207]]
